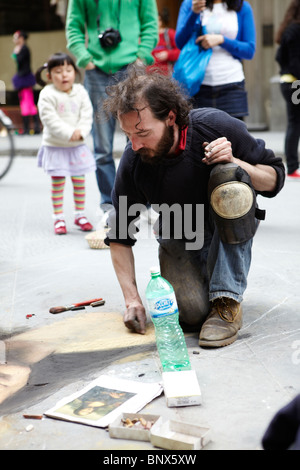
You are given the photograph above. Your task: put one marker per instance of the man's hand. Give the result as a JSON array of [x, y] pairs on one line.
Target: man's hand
[[90, 66], [218, 151], [198, 5], [123, 261], [135, 318]]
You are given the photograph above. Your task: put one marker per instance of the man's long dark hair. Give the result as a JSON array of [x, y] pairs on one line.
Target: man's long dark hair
[[235, 5], [141, 88]]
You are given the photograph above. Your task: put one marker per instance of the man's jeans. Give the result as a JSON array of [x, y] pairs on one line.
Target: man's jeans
[[103, 131], [200, 276]]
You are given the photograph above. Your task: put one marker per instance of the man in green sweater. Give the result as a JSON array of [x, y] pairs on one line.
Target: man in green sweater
[[106, 36]]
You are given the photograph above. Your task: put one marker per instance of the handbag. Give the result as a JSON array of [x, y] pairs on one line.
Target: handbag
[[189, 70]]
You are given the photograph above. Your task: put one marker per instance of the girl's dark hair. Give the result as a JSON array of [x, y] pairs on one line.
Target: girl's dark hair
[[153, 89], [292, 15], [235, 5], [59, 58]]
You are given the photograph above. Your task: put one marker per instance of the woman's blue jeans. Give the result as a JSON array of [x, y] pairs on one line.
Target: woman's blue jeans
[[103, 130], [198, 277]]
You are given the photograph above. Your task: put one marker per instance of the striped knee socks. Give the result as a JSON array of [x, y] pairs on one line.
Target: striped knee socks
[[58, 186], [57, 195], [79, 193]]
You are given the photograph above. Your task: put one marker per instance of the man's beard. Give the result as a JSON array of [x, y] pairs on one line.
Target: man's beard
[[163, 148]]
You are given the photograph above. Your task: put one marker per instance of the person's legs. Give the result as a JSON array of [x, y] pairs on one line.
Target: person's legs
[[78, 192], [79, 203], [28, 108], [228, 267], [102, 132], [228, 262], [214, 276], [200, 278], [36, 124], [26, 125], [58, 186], [293, 128]]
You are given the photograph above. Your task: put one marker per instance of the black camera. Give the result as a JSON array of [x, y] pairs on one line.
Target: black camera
[[110, 37]]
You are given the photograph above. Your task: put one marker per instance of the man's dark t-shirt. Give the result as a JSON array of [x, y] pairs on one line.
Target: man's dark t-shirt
[[182, 179]]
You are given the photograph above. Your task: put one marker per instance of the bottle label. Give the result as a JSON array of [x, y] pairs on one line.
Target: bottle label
[[163, 306]]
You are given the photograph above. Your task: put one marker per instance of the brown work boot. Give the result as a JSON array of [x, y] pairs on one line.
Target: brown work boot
[[222, 324]]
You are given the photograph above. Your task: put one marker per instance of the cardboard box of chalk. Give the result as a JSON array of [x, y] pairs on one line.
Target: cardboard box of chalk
[[177, 435], [135, 426], [181, 388]]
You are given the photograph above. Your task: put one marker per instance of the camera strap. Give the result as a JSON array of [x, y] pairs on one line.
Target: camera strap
[[98, 16]]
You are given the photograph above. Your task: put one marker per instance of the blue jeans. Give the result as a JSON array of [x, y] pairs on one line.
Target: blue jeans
[[103, 131], [231, 98], [201, 276]]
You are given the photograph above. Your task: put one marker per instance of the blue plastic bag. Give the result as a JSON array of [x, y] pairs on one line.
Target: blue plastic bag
[[189, 70]]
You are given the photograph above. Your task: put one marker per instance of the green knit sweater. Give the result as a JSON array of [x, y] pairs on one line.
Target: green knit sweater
[[138, 26]]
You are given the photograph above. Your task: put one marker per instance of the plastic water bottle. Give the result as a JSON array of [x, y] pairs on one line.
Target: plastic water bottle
[[164, 313]]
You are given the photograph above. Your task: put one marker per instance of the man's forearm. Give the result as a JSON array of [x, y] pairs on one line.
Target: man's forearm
[[123, 262], [263, 177]]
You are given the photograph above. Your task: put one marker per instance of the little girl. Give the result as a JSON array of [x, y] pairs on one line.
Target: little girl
[[66, 114]]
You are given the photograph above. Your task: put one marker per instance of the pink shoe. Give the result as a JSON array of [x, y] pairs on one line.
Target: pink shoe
[[60, 227], [294, 175], [83, 223]]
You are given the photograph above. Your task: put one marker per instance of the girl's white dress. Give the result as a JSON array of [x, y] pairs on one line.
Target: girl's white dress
[[61, 113]]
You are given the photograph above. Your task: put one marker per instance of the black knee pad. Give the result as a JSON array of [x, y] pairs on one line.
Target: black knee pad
[[233, 204]]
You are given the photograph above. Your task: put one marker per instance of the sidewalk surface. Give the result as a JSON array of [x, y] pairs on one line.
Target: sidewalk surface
[[53, 356]]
